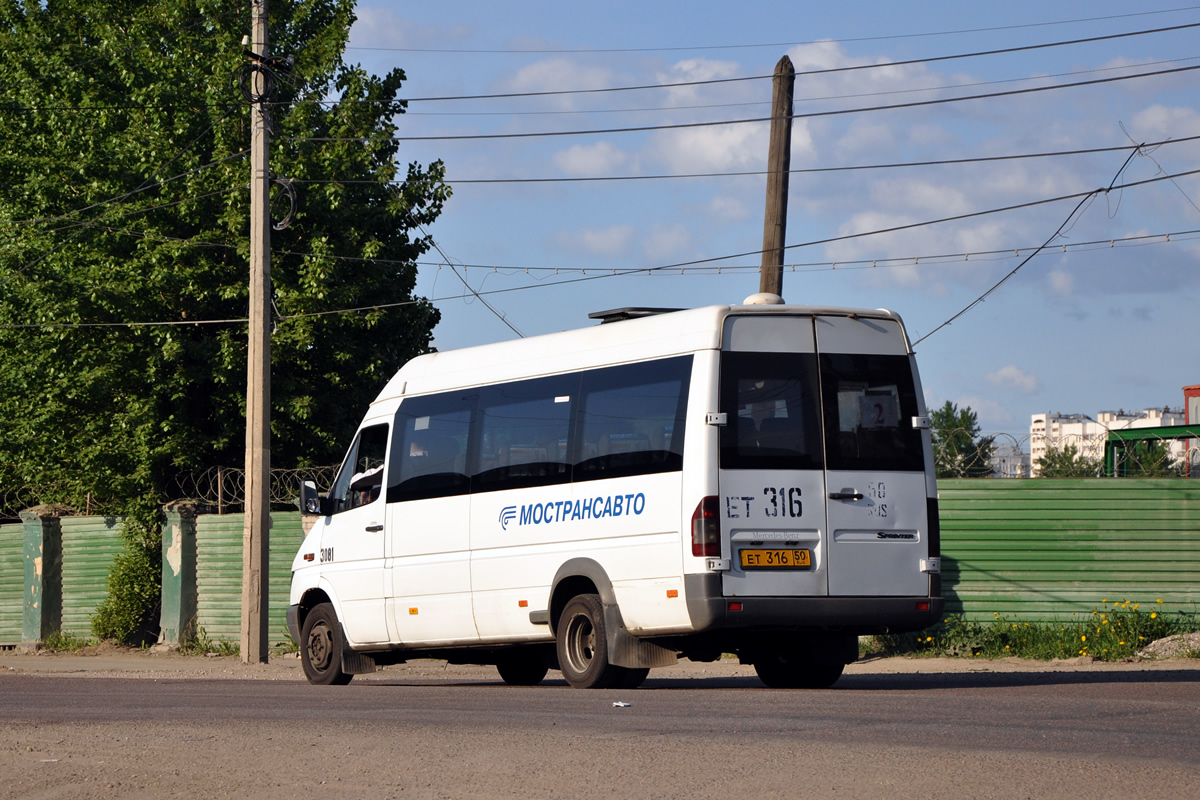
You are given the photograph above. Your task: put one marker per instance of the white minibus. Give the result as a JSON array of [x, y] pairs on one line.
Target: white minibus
[[750, 479]]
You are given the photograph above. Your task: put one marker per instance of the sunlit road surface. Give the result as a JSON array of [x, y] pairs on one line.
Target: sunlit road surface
[[707, 732]]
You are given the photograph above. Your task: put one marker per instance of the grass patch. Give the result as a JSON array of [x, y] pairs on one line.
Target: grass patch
[[1111, 632], [60, 642], [201, 645]]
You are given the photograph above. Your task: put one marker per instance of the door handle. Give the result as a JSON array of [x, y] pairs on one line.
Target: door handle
[[374, 528], [846, 494]]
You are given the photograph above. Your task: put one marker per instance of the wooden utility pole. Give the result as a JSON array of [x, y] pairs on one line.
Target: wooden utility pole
[[256, 534], [779, 163]]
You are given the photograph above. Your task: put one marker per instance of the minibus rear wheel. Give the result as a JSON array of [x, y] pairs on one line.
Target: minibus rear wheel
[[784, 672], [321, 647], [583, 647]]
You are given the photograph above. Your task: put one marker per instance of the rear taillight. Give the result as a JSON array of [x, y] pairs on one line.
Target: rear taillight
[[706, 529]]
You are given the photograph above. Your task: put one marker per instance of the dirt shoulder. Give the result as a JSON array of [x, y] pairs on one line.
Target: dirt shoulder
[[110, 661]]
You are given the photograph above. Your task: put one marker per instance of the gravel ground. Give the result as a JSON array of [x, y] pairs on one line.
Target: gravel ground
[[110, 661]]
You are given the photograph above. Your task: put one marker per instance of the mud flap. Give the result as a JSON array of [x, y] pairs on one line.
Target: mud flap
[[626, 650]]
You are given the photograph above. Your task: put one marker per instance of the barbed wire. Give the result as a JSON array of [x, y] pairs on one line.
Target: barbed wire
[[959, 453], [963, 453], [220, 490]]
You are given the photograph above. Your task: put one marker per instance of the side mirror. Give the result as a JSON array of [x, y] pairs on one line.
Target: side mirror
[[310, 500]]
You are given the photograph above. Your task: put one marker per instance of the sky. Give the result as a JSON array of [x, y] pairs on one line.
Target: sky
[[1102, 318]]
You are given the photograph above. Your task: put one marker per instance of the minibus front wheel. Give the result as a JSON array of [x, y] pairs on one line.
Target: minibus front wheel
[[321, 647]]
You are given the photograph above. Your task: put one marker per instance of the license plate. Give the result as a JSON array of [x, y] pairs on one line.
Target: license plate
[[775, 559]]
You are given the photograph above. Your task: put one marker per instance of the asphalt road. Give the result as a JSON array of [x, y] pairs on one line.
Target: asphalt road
[[1093, 733]]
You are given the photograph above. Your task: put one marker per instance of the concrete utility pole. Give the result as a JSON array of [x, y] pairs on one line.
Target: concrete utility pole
[[256, 534], [779, 163]]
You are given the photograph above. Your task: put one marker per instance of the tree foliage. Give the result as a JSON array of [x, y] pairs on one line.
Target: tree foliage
[[1067, 462], [959, 451], [123, 145]]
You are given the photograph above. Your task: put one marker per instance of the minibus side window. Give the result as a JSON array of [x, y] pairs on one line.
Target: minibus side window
[[631, 419], [772, 409], [429, 451], [870, 401], [360, 480], [523, 437]]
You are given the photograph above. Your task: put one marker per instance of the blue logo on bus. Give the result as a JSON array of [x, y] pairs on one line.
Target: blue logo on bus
[[507, 515], [614, 505]]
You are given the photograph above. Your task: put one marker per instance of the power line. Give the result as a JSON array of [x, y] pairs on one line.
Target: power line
[[582, 51], [1053, 236], [807, 170], [803, 73], [807, 115], [1082, 196], [811, 99]]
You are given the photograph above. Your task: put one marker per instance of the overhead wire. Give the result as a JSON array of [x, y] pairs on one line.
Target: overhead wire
[[1082, 202], [810, 99], [891, 37], [717, 123], [666, 268], [798, 171], [803, 73]]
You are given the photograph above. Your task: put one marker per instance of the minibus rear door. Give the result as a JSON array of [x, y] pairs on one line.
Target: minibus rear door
[[771, 478], [875, 463]]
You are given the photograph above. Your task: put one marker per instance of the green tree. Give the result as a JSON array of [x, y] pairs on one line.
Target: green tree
[[1148, 459], [1067, 462], [124, 203], [959, 451]]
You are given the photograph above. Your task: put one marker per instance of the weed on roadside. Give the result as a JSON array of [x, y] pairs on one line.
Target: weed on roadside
[[60, 642], [1111, 632], [200, 645]]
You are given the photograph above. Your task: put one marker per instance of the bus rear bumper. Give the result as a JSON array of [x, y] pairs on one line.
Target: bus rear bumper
[[711, 611]]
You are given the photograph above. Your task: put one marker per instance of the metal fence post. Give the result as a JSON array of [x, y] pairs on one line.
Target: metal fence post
[[177, 623], [43, 574]]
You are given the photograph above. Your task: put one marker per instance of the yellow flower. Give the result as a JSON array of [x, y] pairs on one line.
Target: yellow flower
[[1159, 600], [1153, 614], [1105, 600], [1083, 638], [1120, 643]]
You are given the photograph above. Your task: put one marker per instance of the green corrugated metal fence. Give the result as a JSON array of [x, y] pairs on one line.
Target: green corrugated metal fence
[[1040, 549], [12, 583], [219, 573], [89, 545]]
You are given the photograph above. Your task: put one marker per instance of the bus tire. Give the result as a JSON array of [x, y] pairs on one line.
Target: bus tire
[[521, 668], [583, 645], [783, 672], [630, 678], [321, 647]]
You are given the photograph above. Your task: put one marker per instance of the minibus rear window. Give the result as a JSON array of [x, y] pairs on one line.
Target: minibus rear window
[[869, 403], [772, 410]]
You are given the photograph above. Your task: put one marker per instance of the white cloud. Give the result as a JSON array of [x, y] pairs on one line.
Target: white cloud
[[602, 158], [1061, 282], [559, 74], [993, 417], [694, 69], [378, 26], [609, 242], [728, 208], [666, 243], [1014, 377], [719, 148]]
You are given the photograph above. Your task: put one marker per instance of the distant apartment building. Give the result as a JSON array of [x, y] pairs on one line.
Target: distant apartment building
[[1054, 430], [1009, 462]]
